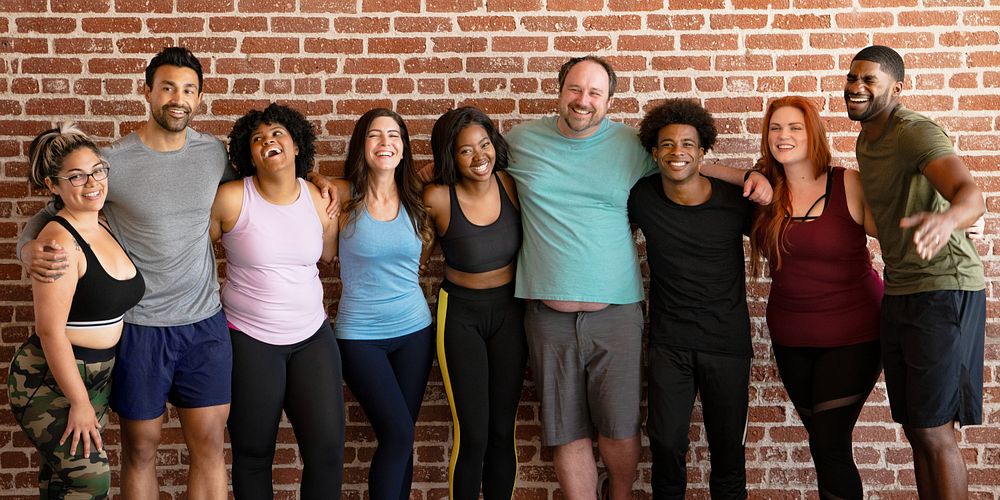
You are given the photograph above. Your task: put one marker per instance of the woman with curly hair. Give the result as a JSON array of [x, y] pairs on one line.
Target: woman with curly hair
[[823, 307], [481, 345], [383, 322], [274, 229], [60, 379]]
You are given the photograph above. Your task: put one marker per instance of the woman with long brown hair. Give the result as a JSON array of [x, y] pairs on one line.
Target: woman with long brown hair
[[823, 307]]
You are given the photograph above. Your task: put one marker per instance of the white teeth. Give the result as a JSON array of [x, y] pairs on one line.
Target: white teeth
[[858, 99], [272, 152], [383, 154], [785, 146], [678, 163]]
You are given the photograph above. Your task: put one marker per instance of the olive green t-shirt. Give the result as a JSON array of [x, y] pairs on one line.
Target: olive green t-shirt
[[893, 181]]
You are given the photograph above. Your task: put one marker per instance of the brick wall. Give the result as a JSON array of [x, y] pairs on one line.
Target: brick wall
[[334, 59]]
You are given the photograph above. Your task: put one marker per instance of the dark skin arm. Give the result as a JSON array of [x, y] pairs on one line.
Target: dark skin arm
[[950, 177]]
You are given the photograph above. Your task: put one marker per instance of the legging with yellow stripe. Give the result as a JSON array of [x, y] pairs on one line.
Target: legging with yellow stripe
[[482, 353]]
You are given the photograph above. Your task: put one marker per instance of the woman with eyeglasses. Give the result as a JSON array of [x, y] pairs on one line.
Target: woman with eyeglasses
[[60, 378]]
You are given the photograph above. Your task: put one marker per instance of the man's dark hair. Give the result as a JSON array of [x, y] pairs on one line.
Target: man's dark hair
[[612, 79], [173, 56], [300, 130], [677, 111], [888, 60]]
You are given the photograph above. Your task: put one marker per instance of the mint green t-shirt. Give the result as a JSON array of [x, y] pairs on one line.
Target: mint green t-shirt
[[895, 187], [577, 244]]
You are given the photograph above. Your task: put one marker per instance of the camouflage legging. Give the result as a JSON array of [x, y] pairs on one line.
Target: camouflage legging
[[42, 410]]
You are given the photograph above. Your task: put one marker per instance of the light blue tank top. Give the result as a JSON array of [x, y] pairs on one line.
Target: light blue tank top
[[379, 270]]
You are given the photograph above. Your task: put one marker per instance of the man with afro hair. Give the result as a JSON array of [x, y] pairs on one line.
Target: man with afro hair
[[699, 339]]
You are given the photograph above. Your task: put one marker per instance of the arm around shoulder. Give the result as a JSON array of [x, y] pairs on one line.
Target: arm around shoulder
[[226, 209], [857, 205]]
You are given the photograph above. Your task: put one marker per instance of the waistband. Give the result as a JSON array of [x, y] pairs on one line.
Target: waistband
[[501, 292], [85, 354]]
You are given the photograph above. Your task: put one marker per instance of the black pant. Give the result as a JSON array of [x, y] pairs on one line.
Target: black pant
[[482, 353], [829, 386], [304, 379], [675, 377]]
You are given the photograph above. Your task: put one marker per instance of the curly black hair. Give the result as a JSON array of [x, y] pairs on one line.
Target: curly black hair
[[444, 134], [680, 111], [301, 130]]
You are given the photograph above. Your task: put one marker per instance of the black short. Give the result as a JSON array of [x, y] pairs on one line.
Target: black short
[[932, 353]]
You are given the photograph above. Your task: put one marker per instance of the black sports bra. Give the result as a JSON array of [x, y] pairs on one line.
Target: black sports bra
[[477, 249], [99, 299]]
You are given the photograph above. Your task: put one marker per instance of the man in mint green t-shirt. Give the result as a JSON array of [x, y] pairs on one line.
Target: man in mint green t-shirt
[[579, 265], [933, 316]]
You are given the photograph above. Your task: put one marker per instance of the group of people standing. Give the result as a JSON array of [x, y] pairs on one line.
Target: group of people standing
[[540, 265]]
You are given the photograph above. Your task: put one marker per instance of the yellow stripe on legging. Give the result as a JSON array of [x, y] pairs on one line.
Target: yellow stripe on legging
[[442, 315]]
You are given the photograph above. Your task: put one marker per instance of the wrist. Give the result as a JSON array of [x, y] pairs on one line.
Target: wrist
[[746, 175]]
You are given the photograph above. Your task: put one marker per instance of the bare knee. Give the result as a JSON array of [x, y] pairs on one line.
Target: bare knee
[[140, 440], [932, 439], [204, 431]]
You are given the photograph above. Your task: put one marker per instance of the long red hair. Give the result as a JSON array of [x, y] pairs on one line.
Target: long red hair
[[767, 235]]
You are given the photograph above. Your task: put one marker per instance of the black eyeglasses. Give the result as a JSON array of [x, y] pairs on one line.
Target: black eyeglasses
[[99, 174]]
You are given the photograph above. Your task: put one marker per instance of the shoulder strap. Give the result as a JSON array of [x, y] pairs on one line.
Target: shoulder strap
[[72, 230]]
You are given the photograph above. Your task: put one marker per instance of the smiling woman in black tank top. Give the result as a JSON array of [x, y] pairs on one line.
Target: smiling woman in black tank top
[[60, 379], [480, 333]]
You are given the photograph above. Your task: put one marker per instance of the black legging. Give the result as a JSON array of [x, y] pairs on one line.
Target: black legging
[[828, 387], [304, 379], [482, 352]]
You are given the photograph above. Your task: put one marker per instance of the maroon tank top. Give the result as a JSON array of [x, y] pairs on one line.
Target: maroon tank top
[[826, 293]]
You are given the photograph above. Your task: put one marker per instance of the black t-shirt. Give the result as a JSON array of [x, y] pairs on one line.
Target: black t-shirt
[[697, 290]]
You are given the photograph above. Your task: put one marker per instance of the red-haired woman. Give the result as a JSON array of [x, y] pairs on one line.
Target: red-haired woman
[[823, 309]]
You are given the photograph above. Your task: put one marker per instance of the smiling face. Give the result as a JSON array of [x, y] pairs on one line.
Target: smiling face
[[272, 147], [787, 136], [583, 100], [174, 97], [869, 91], [474, 153], [678, 152], [383, 144], [91, 195]]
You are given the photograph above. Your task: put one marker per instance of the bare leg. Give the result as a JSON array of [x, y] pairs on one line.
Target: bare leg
[[204, 433], [938, 463], [621, 457], [140, 439], [576, 469]]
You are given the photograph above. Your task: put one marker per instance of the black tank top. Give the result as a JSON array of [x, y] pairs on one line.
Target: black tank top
[[477, 249], [99, 299]]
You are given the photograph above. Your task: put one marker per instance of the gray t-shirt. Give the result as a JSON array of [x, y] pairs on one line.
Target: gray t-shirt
[[159, 205]]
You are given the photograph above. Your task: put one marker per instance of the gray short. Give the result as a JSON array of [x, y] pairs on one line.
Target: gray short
[[588, 371]]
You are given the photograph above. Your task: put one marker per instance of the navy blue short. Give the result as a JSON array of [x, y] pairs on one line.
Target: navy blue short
[[932, 354], [189, 365]]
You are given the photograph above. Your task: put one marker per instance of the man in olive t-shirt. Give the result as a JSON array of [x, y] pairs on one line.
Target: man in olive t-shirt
[[933, 316]]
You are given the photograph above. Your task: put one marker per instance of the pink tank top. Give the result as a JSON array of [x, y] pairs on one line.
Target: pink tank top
[[272, 291], [826, 293]]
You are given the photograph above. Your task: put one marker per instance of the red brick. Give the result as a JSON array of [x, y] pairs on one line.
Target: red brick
[[253, 65], [361, 24], [770, 84], [75, 6], [269, 45], [216, 6], [157, 6], [24, 6], [673, 63], [368, 85], [737, 21], [696, 4], [300, 24], [800, 21], [935, 60], [520, 44], [744, 63], [25, 86], [423, 24], [461, 44], [351, 107], [513, 5], [907, 40], [176, 25], [988, 59], [390, 5], [855, 20], [664, 43], [487, 85], [396, 45], [60, 106], [49, 65], [307, 65], [118, 107], [334, 45], [144, 45], [20, 45], [555, 24], [838, 40], [433, 65], [981, 18], [932, 82], [761, 4], [612, 23], [574, 5], [801, 83], [928, 18], [55, 85], [370, 66], [453, 5], [334, 6], [677, 84], [885, 4], [45, 24], [678, 22], [805, 63], [495, 65], [581, 43], [238, 24], [200, 45], [772, 41]]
